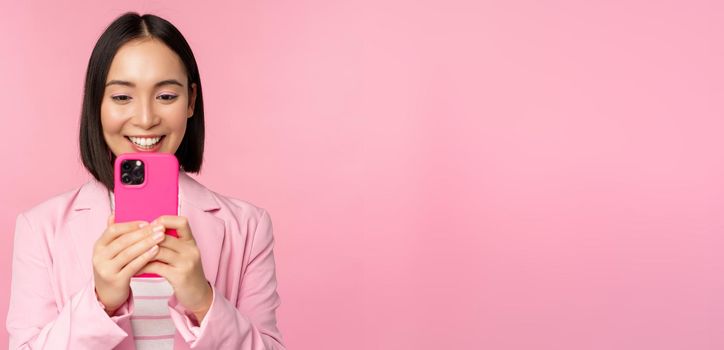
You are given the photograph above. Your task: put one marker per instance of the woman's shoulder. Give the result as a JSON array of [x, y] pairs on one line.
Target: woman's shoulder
[[56, 204], [239, 206], [222, 204]]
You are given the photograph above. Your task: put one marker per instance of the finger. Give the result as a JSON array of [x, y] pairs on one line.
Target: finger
[[111, 219], [178, 223], [158, 268], [129, 238], [167, 256], [136, 249], [115, 230], [133, 267], [174, 244]]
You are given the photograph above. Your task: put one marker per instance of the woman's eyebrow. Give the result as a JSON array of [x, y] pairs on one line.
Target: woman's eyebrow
[[130, 84]]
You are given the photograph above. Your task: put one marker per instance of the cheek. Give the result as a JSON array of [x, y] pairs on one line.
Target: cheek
[[178, 130], [176, 120], [111, 120]]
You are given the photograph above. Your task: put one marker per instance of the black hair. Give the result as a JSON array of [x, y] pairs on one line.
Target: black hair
[[95, 153]]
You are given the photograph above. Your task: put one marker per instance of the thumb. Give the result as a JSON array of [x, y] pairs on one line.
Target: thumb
[[111, 219]]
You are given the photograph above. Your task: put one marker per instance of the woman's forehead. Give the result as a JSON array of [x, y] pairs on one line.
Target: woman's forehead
[[145, 62]]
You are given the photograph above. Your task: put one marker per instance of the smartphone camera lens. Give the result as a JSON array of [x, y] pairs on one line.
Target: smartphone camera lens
[[137, 173], [125, 178], [126, 165]]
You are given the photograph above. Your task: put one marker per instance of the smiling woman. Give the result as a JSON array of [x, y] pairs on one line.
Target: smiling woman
[[73, 275]]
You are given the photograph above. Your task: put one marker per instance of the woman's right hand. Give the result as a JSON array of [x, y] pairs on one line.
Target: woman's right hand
[[122, 250]]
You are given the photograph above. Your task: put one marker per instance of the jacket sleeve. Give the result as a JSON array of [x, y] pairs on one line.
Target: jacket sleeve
[[35, 320], [251, 323]]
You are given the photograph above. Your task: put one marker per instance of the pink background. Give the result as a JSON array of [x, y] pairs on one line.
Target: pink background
[[441, 175]]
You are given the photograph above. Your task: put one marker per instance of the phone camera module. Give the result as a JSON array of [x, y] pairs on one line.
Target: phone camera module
[[132, 172]]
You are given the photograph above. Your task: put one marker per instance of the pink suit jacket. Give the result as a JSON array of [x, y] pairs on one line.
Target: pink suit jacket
[[53, 303]]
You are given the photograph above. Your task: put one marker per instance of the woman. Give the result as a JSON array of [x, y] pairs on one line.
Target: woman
[[73, 266]]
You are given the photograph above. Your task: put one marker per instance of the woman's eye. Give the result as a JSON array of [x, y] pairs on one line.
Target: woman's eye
[[121, 98], [167, 97]]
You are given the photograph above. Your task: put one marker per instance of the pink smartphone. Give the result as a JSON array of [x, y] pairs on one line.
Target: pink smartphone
[[145, 187]]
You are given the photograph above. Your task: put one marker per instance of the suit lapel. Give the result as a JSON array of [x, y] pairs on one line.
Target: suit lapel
[[91, 209], [198, 205], [87, 222]]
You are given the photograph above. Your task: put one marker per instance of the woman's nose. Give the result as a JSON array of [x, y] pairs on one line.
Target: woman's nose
[[145, 117]]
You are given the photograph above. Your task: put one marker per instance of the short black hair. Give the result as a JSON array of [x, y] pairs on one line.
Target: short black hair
[[95, 153]]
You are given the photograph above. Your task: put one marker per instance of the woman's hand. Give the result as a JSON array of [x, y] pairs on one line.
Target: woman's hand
[[179, 261], [121, 251]]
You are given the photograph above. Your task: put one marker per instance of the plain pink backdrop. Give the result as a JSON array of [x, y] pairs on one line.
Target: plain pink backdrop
[[441, 174]]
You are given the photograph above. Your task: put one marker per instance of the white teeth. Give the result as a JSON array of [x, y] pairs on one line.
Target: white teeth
[[145, 141]]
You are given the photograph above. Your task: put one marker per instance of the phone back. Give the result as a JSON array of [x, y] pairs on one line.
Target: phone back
[[152, 194]]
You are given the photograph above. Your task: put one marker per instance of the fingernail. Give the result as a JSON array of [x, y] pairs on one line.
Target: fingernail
[[143, 224], [158, 228], [158, 236]]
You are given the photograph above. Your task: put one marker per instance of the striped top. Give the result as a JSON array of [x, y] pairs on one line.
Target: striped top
[[151, 323]]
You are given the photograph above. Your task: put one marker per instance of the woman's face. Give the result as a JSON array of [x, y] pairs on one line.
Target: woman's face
[[146, 101]]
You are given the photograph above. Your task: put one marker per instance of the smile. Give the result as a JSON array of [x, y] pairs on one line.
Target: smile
[[145, 143]]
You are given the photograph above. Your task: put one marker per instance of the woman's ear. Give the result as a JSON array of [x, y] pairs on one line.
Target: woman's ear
[[192, 101]]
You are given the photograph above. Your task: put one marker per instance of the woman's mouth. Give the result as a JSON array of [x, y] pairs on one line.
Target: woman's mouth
[[146, 143]]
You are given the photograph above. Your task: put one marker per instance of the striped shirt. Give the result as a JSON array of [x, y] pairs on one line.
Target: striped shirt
[[151, 323]]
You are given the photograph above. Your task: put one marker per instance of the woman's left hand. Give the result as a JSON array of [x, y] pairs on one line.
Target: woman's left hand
[[179, 261]]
